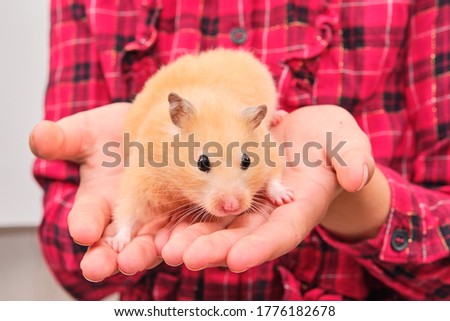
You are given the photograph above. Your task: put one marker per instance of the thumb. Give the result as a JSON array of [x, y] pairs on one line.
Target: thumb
[[73, 137], [59, 140], [354, 169]]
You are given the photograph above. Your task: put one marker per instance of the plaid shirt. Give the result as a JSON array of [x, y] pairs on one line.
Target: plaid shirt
[[387, 62]]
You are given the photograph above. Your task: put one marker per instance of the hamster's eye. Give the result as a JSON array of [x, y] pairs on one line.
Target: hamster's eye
[[203, 163], [245, 162]]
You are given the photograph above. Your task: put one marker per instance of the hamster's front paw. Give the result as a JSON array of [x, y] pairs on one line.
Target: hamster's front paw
[[279, 194], [119, 241]]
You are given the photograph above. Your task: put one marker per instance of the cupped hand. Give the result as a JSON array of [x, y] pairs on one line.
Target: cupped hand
[[326, 153], [81, 138]]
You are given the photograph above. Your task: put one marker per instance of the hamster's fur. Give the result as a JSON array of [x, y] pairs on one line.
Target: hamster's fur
[[223, 99]]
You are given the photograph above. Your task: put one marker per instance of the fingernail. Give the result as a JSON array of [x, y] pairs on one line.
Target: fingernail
[[33, 145], [126, 273], [92, 281], [240, 270], [365, 177]]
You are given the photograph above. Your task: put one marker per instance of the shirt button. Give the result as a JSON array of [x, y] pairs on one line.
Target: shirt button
[[238, 35], [399, 240]]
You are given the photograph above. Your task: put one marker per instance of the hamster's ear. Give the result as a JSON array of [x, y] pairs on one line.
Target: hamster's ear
[[255, 115], [180, 109]]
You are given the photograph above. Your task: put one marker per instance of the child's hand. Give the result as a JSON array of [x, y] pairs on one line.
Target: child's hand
[[318, 181], [80, 138], [333, 163]]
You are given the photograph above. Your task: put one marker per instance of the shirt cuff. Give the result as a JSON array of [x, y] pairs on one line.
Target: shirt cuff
[[402, 239]]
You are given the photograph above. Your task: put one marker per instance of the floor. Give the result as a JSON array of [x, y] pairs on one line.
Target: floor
[[24, 274]]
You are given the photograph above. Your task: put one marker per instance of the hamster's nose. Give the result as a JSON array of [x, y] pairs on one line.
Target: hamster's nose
[[231, 205]]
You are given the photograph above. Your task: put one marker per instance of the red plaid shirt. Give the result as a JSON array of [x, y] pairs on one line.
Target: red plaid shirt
[[387, 62]]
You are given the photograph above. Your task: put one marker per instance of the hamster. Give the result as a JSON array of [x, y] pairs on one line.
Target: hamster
[[202, 123]]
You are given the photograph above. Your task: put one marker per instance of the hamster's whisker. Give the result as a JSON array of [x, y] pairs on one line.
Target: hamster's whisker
[[176, 215], [259, 205], [193, 213]]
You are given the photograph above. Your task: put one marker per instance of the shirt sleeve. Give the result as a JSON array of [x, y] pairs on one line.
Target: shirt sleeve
[[411, 252], [75, 84]]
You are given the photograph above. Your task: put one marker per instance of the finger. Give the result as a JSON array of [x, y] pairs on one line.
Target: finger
[[288, 224], [66, 139], [212, 250], [89, 215], [280, 234], [163, 235], [173, 251], [73, 137], [350, 153], [139, 255], [99, 262], [354, 167], [347, 149]]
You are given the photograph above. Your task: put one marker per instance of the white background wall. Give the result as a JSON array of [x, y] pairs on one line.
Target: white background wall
[[24, 27]]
